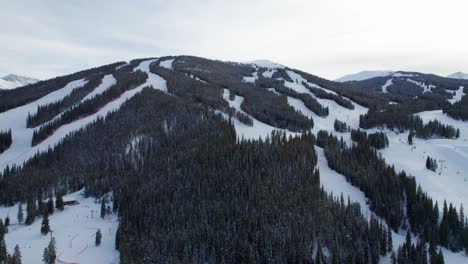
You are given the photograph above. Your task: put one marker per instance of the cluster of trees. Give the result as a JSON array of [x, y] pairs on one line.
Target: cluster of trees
[[309, 101], [23, 95], [392, 118], [5, 140], [258, 102], [377, 140], [419, 253], [6, 258], [125, 81], [321, 93], [431, 164], [209, 199], [458, 110], [208, 94], [340, 126], [47, 112], [393, 196]]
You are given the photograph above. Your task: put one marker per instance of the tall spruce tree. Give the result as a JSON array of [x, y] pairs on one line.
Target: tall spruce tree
[[20, 214], [45, 228], [59, 201]]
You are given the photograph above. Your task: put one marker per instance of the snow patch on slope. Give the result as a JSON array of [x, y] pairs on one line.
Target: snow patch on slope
[[73, 229], [266, 64], [107, 82], [427, 87], [13, 81], [386, 85], [167, 64], [457, 95]]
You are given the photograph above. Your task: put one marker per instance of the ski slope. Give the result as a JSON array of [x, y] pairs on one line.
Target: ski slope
[[449, 182], [21, 149], [243, 131], [74, 232]]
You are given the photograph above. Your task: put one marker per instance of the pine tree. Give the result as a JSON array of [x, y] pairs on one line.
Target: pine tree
[[50, 206], [16, 258], [3, 249], [49, 254], [40, 204], [410, 137], [7, 221], [59, 201], [45, 228], [20, 213], [103, 208], [319, 257], [98, 237], [389, 240], [30, 210]]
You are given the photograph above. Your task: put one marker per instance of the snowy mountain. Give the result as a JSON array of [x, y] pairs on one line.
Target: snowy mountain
[[414, 84], [167, 151], [458, 75], [363, 75], [13, 81]]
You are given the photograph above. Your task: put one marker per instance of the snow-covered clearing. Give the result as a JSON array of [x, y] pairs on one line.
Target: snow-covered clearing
[[337, 184], [386, 85], [452, 183], [251, 79], [107, 82], [21, 150], [258, 130], [167, 64], [73, 229], [268, 73], [427, 88], [457, 95]]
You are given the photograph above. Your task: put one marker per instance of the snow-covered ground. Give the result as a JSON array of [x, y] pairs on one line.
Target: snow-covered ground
[[427, 88], [457, 95], [21, 149], [167, 64], [107, 82], [74, 231], [450, 181], [386, 85]]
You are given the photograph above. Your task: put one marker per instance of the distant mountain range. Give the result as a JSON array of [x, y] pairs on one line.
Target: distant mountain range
[[458, 75], [13, 81], [365, 75]]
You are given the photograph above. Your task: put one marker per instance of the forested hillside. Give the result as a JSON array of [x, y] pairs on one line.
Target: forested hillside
[[205, 161]]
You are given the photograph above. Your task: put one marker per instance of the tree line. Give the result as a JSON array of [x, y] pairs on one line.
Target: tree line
[[5, 140]]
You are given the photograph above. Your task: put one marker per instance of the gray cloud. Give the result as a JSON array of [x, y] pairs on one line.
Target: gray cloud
[[329, 38]]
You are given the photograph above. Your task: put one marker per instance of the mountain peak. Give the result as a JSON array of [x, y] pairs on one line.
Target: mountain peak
[[458, 75], [12, 81]]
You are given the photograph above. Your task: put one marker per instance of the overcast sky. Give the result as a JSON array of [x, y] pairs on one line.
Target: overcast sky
[[328, 38]]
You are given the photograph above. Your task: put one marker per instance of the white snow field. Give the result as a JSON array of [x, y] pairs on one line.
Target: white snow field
[[457, 95], [74, 231], [21, 149], [449, 182], [107, 82], [167, 64], [386, 85], [427, 87]]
